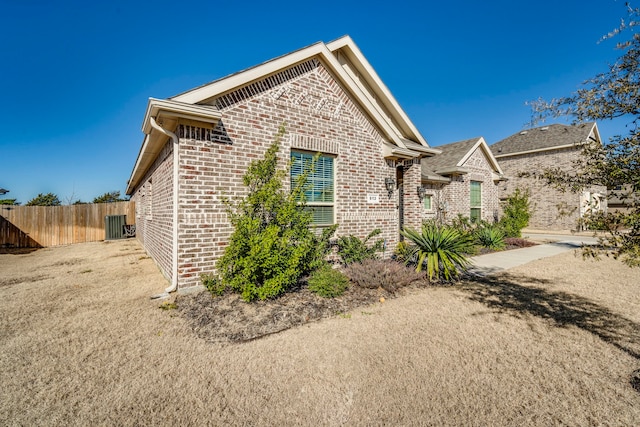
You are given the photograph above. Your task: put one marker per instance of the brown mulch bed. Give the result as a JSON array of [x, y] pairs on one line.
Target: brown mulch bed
[[228, 318]]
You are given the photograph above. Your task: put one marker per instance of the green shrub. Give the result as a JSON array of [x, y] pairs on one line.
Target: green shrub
[[490, 236], [351, 249], [402, 251], [441, 249], [463, 224], [516, 213], [328, 282], [387, 274], [272, 244], [212, 283]]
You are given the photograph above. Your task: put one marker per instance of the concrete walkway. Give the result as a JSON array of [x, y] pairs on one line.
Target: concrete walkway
[[484, 265]]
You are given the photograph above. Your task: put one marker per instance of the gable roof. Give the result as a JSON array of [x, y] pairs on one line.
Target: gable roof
[[544, 138], [453, 157], [343, 60]]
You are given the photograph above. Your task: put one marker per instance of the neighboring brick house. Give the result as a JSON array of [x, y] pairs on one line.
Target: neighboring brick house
[[534, 150], [462, 180], [199, 144]]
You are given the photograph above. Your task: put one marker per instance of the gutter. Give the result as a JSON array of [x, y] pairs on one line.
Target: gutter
[[176, 188]]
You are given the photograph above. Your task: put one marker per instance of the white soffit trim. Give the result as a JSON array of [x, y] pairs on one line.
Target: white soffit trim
[[539, 150], [396, 152], [152, 145], [596, 132], [364, 68], [319, 49], [157, 107], [487, 152], [453, 171]]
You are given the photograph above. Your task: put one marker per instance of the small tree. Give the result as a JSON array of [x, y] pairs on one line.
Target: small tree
[[517, 212], [110, 197], [612, 94], [9, 202], [48, 199], [351, 249], [272, 245]]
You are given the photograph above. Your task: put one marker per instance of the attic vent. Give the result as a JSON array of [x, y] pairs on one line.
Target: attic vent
[[524, 132], [544, 128]]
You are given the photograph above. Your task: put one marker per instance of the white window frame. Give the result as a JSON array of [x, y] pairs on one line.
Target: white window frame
[[310, 203]]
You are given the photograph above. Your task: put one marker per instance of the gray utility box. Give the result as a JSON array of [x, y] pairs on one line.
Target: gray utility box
[[114, 227]]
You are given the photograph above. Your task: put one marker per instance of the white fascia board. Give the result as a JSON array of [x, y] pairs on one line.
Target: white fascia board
[[242, 78], [434, 178], [396, 152], [131, 182], [470, 152], [426, 150], [271, 67], [498, 177], [156, 107], [487, 152], [596, 133], [539, 150], [159, 108], [378, 85], [453, 171]]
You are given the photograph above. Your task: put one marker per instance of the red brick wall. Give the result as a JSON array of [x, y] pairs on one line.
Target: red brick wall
[[457, 193], [552, 209], [319, 116], [154, 210]]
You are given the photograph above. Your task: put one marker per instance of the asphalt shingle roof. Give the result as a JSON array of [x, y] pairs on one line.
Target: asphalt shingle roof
[[450, 156], [544, 137]]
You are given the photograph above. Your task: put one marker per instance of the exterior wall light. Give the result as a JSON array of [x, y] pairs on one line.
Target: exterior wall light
[[421, 192], [390, 184]]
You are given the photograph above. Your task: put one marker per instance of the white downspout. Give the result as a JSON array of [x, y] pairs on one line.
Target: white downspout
[[176, 187]]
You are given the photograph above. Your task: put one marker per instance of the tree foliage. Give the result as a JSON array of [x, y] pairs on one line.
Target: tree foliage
[[109, 197], [609, 95], [516, 213], [48, 199], [9, 202], [273, 244], [351, 249]]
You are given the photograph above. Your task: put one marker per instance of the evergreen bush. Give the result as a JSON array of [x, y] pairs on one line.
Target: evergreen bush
[[273, 244], [351, 249], [516, 213], [328, 282]]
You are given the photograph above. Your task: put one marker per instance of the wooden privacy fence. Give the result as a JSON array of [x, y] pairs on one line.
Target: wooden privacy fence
[[40, 226]]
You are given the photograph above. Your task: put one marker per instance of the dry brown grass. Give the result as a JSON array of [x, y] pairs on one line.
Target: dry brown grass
[[551, 342]]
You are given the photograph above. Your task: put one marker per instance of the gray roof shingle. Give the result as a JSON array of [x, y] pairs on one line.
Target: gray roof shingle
[[543, 137], [449, 158]]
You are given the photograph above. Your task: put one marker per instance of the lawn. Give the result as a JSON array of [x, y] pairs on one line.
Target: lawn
[[552, 342]]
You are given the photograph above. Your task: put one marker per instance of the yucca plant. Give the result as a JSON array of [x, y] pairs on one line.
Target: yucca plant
[[441, 249], [491, 236]]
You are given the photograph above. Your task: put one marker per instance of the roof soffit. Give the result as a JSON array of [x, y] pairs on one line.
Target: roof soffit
[[482, 145], [346, 50], [382, 118], [546, 138]]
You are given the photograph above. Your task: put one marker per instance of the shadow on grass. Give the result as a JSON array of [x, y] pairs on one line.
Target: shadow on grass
[[17, 251], [521, 295]]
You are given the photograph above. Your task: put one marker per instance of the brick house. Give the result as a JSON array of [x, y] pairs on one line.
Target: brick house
[[198, 145], [552, 146], [462, 180]]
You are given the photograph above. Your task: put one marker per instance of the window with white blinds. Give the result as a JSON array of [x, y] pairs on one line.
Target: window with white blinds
[[319, 193], [476, 200]]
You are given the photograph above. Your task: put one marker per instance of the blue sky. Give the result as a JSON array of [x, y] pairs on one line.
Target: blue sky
[[75, 76]]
